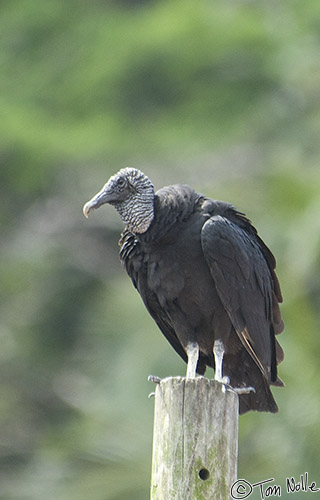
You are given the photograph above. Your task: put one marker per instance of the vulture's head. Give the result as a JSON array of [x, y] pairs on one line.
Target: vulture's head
[[132, 194]]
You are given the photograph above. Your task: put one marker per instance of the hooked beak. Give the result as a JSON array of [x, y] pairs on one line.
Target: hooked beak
[[99, 199]]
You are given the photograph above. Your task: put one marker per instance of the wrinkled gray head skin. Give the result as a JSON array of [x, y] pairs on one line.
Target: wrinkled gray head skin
[[132, 194]]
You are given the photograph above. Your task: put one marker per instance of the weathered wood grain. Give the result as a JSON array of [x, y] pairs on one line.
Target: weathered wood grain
[[195, 442]]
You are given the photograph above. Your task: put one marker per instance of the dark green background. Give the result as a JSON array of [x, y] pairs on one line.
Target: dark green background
[[222, 95]]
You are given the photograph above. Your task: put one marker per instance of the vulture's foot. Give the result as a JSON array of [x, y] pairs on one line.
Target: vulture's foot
[[243, 390], [154, 379], [223, 380], [240, 390]]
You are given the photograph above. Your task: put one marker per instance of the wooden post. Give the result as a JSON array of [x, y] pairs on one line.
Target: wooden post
[[195, 441]]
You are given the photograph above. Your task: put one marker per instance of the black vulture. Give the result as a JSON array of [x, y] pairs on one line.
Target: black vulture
[[206, 278]]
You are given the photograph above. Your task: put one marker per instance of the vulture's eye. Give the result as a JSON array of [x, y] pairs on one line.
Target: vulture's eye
[[121, 182]]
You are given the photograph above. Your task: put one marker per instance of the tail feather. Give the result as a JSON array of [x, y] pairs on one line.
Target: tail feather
[[243, 372]]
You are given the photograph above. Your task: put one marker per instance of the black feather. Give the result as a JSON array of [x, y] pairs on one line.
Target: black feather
[[203, 272]]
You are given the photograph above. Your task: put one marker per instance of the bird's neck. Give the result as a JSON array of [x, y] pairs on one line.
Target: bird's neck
[[137, 213]]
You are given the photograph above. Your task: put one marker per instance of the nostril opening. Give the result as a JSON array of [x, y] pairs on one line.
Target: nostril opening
[[204, 474]]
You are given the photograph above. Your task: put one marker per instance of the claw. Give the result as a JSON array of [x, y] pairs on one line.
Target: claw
[[243, 390], [240, 390]]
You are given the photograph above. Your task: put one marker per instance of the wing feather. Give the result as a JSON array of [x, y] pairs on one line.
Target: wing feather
[[244, 282], [132, 257]]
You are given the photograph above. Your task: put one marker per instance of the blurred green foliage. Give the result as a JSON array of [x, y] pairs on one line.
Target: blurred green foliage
[[223, 95]]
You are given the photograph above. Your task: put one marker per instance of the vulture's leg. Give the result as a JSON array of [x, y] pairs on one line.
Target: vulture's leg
[[218, 352], [192, 351]]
